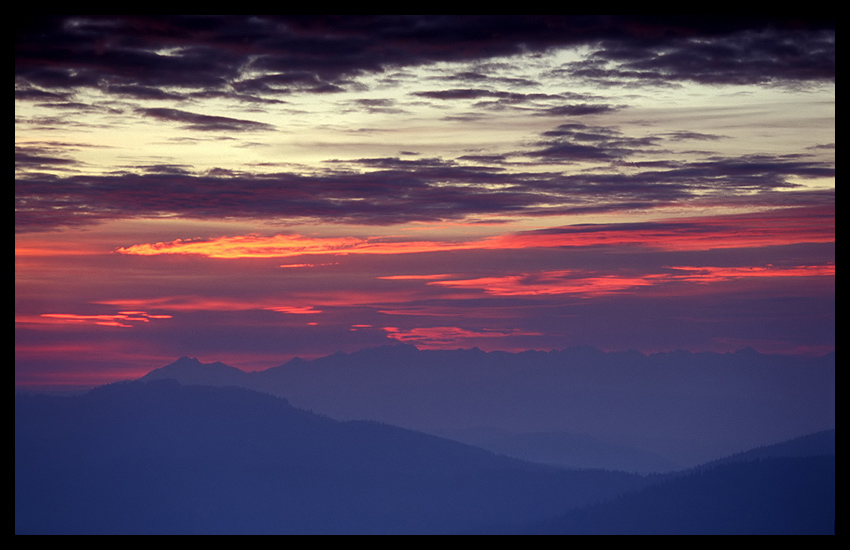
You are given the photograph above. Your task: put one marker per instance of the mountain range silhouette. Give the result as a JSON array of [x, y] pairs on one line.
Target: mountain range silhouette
[[185, 450], [628, 410], [158, 457]]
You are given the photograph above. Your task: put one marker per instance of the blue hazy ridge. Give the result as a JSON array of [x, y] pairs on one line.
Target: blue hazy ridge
[[576, 407], [769, 496], [159, 457]]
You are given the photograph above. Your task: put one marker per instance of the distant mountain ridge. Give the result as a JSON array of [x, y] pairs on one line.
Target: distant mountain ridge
[[159, 457], [816, 444], [188, 370], [572, 451], [771, 496], [787, 488], [686, 407]]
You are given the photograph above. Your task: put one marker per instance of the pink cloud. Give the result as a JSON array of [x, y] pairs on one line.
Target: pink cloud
[[294, 310], [202, 303], [598, 284], [120, 319], [447, 337]]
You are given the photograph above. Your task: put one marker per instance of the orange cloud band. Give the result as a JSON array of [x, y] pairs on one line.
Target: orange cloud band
[[741, 231]]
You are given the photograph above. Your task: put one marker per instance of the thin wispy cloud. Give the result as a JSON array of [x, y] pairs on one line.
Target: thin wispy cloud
[[196, 121], [123, 319]]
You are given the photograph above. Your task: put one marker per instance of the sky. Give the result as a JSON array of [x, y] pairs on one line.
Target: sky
[[248, 189]]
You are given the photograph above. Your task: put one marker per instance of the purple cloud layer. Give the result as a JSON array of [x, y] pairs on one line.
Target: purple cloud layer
[[391, 190], [265, 58], [151, 56]]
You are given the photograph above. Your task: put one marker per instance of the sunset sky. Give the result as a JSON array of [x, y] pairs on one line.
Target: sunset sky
[[248, 189]]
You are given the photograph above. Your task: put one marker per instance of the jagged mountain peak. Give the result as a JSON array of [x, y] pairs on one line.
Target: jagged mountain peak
[[185, 360], [190, 370]]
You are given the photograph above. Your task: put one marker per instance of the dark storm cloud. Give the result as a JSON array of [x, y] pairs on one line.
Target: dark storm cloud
[[484, 159], [463, 93], [481, 77], [390, 190], [286, 83], [322, 53], [30, 94], [377, 105], [686, 135], [481, 93], [546, 104], [144, 92], [202, 122], [726, 177], [381, 197], [579, 110], [826, 146], [47, 155], [582, 142], [748, 56], [32, 157]]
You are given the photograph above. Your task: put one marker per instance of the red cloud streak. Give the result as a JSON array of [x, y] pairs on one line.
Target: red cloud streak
[[597, 284], [121, 319], [779, 227]]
